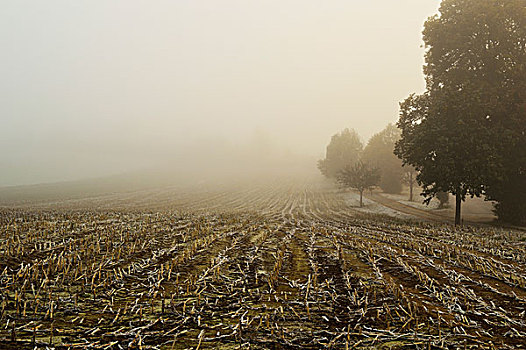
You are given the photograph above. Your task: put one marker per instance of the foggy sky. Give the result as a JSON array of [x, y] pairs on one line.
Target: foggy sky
[[92, 88]]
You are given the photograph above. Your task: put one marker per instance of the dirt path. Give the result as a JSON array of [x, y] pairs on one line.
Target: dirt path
[[407, 209]]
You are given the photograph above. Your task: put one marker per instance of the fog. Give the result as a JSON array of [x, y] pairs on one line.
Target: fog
[[101, 88]]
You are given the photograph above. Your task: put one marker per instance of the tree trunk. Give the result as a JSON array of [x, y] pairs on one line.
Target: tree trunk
[[411, 186], [457, 207], [361, 198]]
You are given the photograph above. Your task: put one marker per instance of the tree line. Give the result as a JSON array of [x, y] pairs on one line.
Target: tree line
[[351, 164], [466, 134]]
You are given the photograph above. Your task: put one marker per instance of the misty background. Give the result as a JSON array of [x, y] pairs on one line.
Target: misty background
[[99, 88]]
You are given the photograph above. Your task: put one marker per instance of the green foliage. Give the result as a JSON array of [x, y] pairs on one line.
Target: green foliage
[[466, 134], [445, 143], [477, 48], [343, 151], [379, 152], [511, 196]]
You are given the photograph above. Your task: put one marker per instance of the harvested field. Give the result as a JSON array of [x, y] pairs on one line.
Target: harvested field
[[282, 267]]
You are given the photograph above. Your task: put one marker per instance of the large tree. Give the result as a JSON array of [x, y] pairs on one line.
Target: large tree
[[480, 48], [344, 150], [379, 152], [460, 133], [446, 145]]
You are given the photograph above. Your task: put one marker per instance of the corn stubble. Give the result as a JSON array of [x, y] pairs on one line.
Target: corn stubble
[[287, 267]]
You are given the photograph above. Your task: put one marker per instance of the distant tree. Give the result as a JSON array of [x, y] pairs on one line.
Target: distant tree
[[343, 151], [409, 178], [379, 153], [323, 167], [360, 176], [443, 198]]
